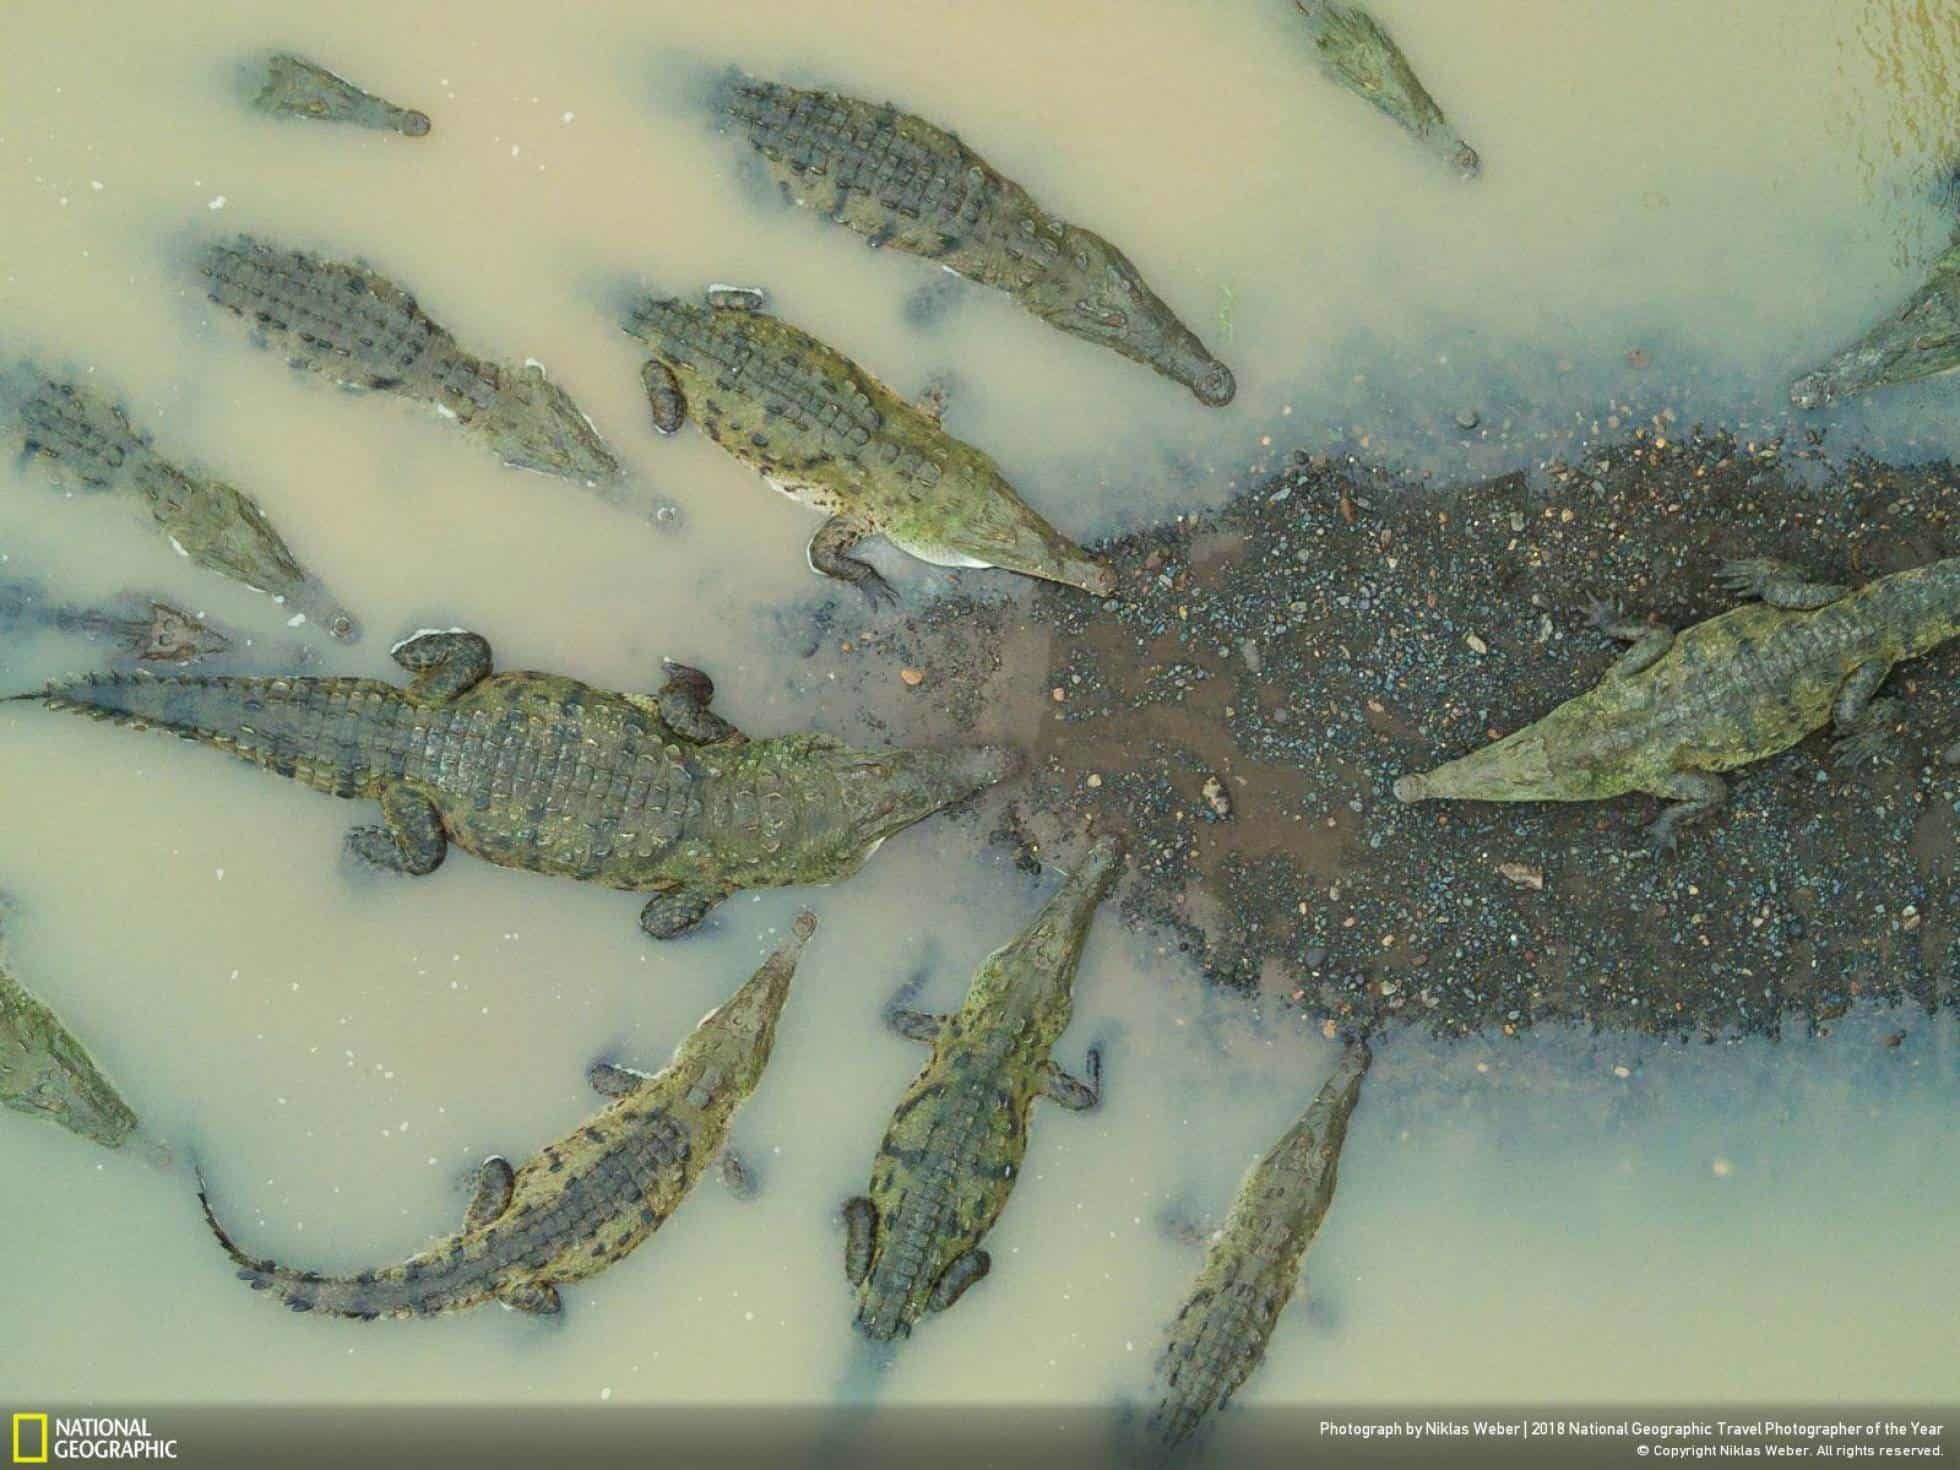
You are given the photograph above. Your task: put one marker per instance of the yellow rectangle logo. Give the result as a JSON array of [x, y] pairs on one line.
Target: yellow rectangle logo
[[21, 1457]]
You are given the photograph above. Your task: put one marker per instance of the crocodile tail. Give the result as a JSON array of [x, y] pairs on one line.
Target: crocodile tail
[[361, 1298], [281, 724]]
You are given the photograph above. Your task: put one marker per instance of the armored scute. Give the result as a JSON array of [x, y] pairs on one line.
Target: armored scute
[[1359, 55], [536, 771], [1677, 709], [361, 330], [295, 87], [1252, 1266], [583, 1203], [953, 1152], [901, 182], [825, 432], [88, 445]]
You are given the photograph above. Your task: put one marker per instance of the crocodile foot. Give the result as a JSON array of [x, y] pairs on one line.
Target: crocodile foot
[[1874, 739], [676, 912]]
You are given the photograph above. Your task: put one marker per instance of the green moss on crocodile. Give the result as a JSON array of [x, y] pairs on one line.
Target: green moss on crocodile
[[825, 432], [1359, 55], [291, 86], [1678, 709], [581, 1204], [1252, 1265], [358, 328], [953, 1152], [88, 445], [901, 182], [540, 772]]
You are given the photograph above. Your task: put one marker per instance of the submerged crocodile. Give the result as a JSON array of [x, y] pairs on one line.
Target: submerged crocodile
[[46, 1073], [825, 432], [1921, 341], [1253, 1264], [1677, 709], [295, 87], [541, 772], [901, 182], [583, 1203], [361, 330], [148, 630], [89, 446], [953, 1152], [1359, 55]]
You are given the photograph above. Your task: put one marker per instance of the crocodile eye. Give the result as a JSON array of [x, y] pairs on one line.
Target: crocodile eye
[[1106, 316]]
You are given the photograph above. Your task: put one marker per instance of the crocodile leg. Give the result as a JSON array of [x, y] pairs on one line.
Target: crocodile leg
[[410, 838], [664, 397], [609, 1079], [1695, 794], [444, 664], [1777, 583], [1075, 1095], [684, 702], [491, 1198], [1864, 725], [860, 1226], [673, 913], [830, 557], [1649, 642], [534, 1301], [964, 1271], [737, 1176]]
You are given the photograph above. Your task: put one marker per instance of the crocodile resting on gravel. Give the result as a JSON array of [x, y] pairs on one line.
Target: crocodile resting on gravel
[[46, 1073], [901, 182], [1677, 709], [88, 445], [1252, 1265], [578, 1205], [141, 627], [541, 772], [361, 330], [953, 1152], [825, 432], [295, 87]]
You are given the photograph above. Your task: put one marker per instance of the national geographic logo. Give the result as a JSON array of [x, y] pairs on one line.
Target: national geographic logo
[[37, 1440]]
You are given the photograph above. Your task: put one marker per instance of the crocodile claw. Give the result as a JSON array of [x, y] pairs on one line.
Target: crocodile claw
[[1602, 613], [1874, 739], [878, 592], [1748, 575]]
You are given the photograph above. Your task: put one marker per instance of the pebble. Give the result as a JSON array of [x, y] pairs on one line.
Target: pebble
[[1477, 645], [1217, 797], [914, 677], [1467, 419]]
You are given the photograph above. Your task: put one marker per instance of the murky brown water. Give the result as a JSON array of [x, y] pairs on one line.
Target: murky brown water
[[1727, 198]]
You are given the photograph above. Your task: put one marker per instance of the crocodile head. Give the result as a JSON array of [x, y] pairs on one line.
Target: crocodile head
[[172, 636], [534, 425], [887, 792], [725, 1054], [1034, 974], [45, 1072], [1094, 292]]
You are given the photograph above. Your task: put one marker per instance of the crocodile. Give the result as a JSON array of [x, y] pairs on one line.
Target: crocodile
[[46, 1073], [583, 1203], [826, 433], [358, 328], [1676, 709], [953, 1152], [1355, 52], [89, 446], [1252, 1265], [148, 630], [544, 773], [1921, 340], [901, 182], [296, 87]]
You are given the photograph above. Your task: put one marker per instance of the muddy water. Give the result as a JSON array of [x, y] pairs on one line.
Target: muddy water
[[1677, 214]]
